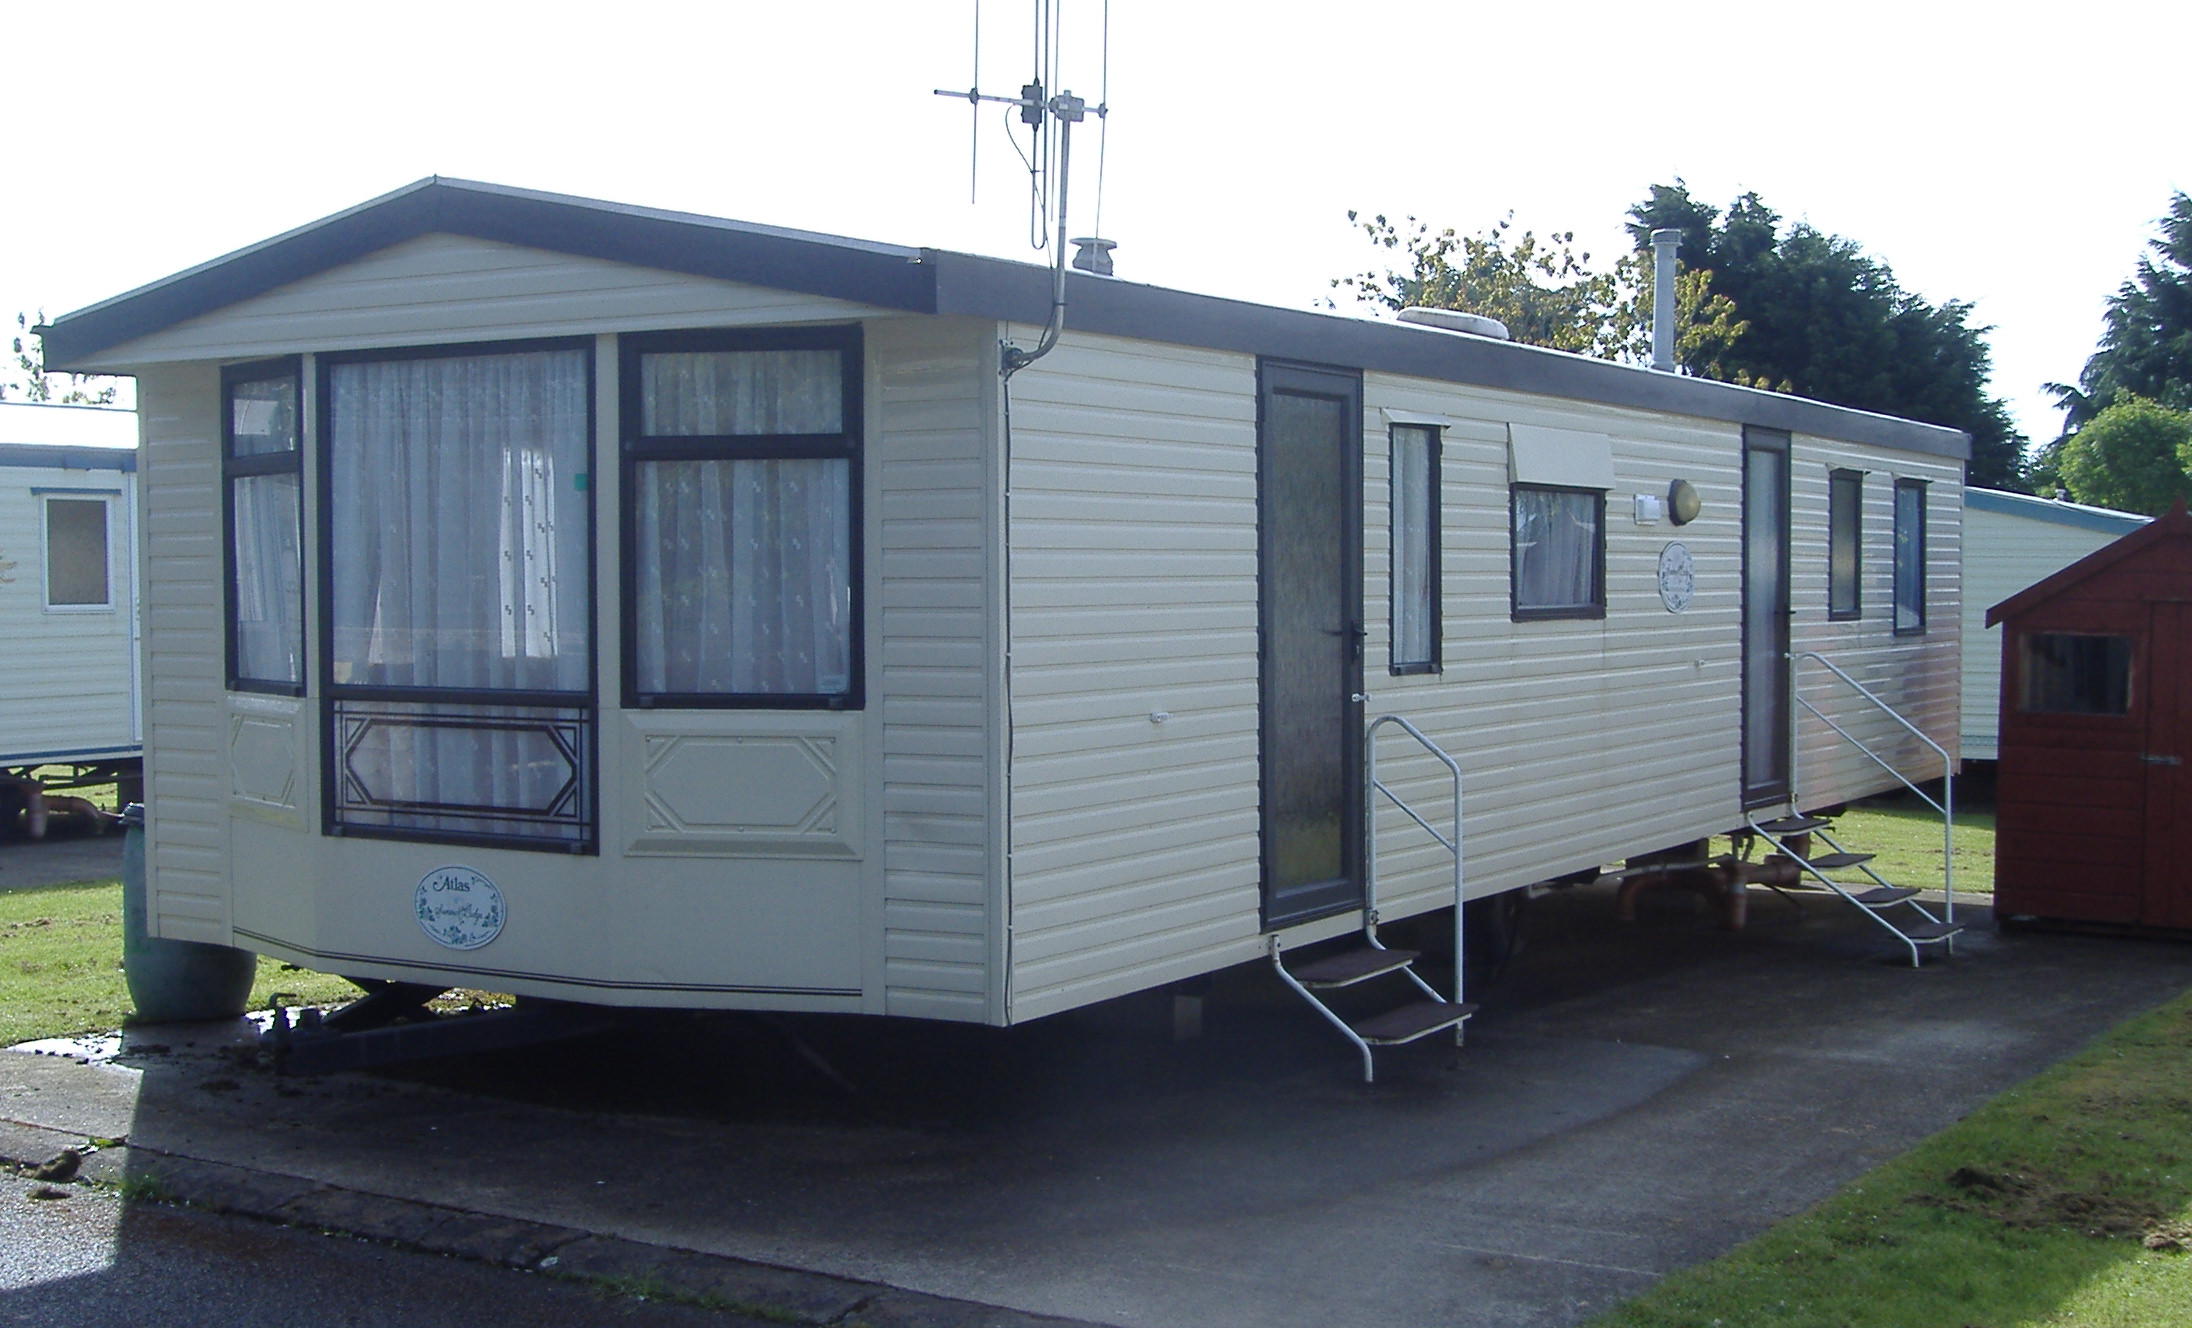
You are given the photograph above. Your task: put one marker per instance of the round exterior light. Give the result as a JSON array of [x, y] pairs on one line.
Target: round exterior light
[[1683, 504]]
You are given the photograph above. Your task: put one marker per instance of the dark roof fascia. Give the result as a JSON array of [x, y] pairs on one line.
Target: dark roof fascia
[[2175, 525], [940, 282], [1019, 292], [53, 456], [2043, 509]]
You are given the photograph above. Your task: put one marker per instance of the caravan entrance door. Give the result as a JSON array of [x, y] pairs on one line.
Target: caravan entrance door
[[1766, 608], [1309, 492]]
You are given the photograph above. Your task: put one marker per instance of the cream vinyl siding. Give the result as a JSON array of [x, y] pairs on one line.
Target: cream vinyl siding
[[1581, 741], [186, 767], [69, 669], [2004, 553], [1133, 593], [446, 288], [936, 666], [1917, 675]]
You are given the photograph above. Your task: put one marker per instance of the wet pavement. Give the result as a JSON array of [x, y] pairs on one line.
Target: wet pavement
[[1635, 1098]]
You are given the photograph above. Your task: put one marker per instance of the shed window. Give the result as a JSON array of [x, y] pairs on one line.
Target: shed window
[[741, 507], [76, 554], [1845, 543], [1415, 475], [2066, 673], [459, 629], [1910, 557], [1559, 553], [262, 462]]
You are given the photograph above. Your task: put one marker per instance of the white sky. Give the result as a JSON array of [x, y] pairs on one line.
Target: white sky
[[2014, 157]]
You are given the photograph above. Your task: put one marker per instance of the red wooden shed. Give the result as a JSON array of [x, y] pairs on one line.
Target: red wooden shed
[[2096, 736]]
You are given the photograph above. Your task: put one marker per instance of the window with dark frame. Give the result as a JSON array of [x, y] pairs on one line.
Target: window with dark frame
[[78, 575], [1910, 557], [456, 585], [1415, 548], [741, 518], [1558, 564], [2074, 673], [262, 515], [1845, 544]]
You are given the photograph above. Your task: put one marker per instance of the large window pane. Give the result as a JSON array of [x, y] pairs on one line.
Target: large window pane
[[268, 586], [1415, 548], [2071, 674], [740, 392], [1559, 538], [743, 578], [459, 534], [76, 553]]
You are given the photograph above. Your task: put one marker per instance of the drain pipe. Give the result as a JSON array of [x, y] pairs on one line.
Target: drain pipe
[[1664, 244]]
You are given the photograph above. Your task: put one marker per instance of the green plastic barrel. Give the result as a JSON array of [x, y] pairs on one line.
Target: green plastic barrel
[[171, 981]]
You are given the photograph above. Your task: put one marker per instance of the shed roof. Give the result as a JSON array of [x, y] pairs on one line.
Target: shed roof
[[2177, 525], [930, 281], [2060, 512]]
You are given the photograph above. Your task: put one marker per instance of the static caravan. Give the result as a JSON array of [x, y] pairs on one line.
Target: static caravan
[[68, 602], [2012, 540], [686, 612]]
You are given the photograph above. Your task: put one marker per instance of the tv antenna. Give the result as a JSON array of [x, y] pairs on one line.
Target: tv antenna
[[1049, 114]]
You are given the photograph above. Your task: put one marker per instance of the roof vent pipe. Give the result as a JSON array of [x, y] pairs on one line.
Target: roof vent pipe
[[1664, 244]]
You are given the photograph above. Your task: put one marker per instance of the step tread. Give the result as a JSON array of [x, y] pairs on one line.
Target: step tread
[[1926, 933], [1836, 861], [1882, 896], [1410, 1022], [1350, 966], [1794, 825]]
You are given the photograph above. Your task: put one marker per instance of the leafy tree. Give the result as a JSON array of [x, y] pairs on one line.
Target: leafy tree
[[1545, 290], [2146, 336], [2136, 455], [1826, 320], [35, 383]]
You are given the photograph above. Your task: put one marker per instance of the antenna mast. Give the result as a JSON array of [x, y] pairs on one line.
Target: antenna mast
[[1044, 112]]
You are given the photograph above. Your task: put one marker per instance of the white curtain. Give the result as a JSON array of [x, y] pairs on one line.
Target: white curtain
[[269, 588], [1414, 606], [460, 559], [1556, 548]]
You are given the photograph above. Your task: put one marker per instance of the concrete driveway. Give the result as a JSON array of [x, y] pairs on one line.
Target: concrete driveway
[[1635, 1098]]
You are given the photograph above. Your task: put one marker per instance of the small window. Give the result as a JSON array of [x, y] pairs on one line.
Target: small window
[[1415, 466], [1845, 543], [262, 462], [2070, 674], [1910, 557], [1559, 563], [76, 554], [741, 514]]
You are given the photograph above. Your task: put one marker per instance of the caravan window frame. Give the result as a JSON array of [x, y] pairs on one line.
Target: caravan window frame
[[1417, 558], [642, 449], [1910, 558], [237, 469], [560, 722], [103, 499], [1521, 610], [1845, 545]]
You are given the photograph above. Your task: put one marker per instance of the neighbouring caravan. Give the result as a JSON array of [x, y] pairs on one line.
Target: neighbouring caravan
[[68, 602], [2012, 540], [642, 608]]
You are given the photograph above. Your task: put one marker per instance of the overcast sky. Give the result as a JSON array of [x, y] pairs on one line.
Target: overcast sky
[[2013, 158]]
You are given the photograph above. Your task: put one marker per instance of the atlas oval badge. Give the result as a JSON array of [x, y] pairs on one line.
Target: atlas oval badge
[[459, 907]]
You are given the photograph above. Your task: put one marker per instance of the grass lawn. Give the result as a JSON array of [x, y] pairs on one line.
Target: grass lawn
[[1907, 835], [2064, 1203], [61, 965]]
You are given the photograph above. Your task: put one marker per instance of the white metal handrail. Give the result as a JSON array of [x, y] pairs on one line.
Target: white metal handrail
[[1452, 844], [1945, 805]]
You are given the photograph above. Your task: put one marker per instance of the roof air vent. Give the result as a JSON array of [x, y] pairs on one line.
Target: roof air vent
[[1454, 320]]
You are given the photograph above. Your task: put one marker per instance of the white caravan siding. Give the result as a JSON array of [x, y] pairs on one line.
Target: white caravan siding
[[441, 288], [937, 666], [1133, 595], [69, 689], [2012, 540]]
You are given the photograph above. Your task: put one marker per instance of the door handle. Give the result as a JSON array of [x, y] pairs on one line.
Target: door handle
[[2161, 760], [1359, 697]]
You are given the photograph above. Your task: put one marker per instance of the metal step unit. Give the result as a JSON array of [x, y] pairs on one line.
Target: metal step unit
[[1915, 926]]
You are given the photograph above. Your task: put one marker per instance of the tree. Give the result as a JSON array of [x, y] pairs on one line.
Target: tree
[[1828, 321], [2146, 336], [35, 383], [2136, 456], [1546, 291]]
